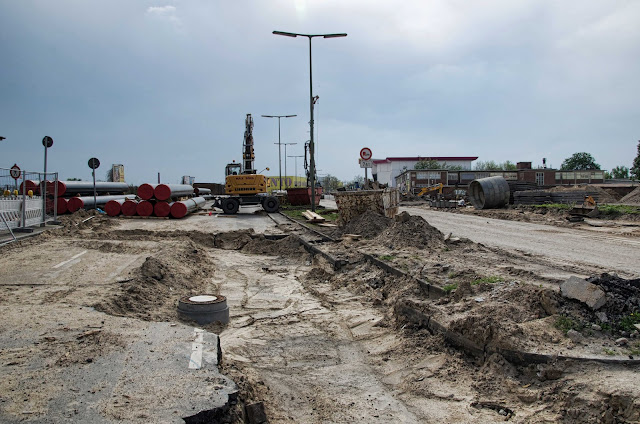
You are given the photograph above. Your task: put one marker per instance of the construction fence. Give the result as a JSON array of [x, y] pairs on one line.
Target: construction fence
[[25, 202]]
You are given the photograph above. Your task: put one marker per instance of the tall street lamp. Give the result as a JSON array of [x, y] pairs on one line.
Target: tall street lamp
[[278, 143], [296, 161], [312, 162], [285, 158]]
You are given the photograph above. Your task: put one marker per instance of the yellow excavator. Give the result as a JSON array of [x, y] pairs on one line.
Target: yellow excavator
[[243, 185], [426, 190]]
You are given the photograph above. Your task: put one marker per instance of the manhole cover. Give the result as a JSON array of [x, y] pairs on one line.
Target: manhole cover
[[203, 298]]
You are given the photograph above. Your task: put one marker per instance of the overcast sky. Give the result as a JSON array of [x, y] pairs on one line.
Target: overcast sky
[[164, 86]]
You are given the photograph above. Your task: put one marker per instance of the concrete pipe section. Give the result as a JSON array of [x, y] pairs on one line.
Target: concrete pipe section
[[487, 193], [204, 308]]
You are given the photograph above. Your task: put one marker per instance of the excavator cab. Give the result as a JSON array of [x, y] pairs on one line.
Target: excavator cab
[[232, 169]]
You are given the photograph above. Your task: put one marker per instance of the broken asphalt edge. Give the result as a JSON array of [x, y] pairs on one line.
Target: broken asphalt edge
[[516, 356]]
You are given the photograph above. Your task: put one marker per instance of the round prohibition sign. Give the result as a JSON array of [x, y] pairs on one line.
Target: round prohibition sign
[[15, 172], [365, 153]]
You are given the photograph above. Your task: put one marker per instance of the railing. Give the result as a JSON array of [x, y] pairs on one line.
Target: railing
[[23, 203]]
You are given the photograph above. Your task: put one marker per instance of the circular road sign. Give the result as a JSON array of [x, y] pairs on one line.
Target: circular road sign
[[47, 141], [15, 172], [94, 163], [365, 153]]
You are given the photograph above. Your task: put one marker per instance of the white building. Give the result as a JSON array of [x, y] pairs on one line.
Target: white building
[[386, 170]]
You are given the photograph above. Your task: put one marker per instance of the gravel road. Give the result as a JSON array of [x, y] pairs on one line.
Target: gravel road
[[619, 254]]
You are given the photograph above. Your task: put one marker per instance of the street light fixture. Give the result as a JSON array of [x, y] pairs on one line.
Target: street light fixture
[[296, 161], [312, 162], [278, 143]]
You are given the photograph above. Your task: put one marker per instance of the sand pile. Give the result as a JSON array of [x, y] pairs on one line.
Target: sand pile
[[154, 288], [414, 232], [599, 194], [632, 198], [368, 225]]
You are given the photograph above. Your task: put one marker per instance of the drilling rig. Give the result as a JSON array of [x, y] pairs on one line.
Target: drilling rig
[[243, 186]]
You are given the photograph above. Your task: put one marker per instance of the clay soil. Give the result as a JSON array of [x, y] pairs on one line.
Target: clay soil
[[317, 344]]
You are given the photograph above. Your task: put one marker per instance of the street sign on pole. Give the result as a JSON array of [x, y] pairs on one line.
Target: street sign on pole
[[365, 153], [94, 163], [46, 142], [15, 172], [366, 163]]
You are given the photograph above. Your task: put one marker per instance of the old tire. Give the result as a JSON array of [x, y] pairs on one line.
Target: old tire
[[230, 206], [271, 204], [204, 309]]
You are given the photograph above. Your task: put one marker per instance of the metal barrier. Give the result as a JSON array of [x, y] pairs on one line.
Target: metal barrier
[[24, 202]]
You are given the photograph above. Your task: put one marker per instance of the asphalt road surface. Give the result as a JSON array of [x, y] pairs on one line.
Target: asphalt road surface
[[619, 254]]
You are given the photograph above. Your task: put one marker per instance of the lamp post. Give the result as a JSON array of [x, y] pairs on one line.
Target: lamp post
[[312, 162], [285, 158], [296, 161], [278, 143]]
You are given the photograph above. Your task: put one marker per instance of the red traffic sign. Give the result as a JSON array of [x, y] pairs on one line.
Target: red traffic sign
[[365, 153], [15, 172]]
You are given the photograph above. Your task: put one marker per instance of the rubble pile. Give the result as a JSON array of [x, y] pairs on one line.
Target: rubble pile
[[623, 297]]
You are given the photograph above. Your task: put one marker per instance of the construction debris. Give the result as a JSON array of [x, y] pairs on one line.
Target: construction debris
[[585, 292]]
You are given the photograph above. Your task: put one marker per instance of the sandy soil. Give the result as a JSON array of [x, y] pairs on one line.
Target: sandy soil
[[314, 344]]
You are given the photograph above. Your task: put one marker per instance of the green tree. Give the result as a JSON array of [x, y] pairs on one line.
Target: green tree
[[434, 164], [620, 172], [635, 167], [509, 166], [427, 164], [579, 161], [330, 183], [487, 166], [108, 176], [74, 179]]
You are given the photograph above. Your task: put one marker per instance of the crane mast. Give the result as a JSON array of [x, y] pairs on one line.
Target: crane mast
[[248, 155]]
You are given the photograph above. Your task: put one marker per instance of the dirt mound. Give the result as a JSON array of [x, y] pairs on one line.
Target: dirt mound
[[414, 232], [368, 225], [289, 246], [503, 315], [632, 198], [601, 195], [155, 287]]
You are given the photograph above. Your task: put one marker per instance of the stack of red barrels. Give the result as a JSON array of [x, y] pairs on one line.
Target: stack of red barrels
[[161, 200]]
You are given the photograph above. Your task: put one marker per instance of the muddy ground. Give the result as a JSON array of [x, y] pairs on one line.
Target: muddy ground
[[314, 343]]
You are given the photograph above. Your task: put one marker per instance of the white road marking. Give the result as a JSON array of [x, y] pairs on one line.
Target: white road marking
[[195, 361], [69, 260]]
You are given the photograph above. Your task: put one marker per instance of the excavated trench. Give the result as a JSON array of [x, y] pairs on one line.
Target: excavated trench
[[430, 325]]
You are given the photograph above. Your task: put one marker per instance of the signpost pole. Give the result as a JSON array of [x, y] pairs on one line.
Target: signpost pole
[[46, 142], [94, 163], [94, 188]]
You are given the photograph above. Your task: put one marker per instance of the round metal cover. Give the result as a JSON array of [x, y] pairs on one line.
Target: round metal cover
[[203, 298]]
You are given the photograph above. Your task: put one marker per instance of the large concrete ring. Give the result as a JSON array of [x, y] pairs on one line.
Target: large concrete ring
[[204, 308]]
